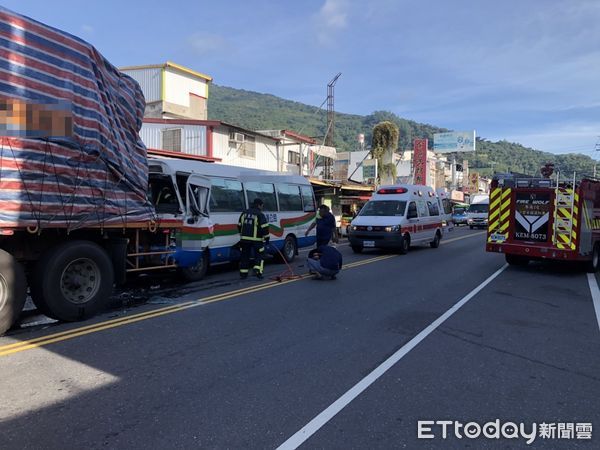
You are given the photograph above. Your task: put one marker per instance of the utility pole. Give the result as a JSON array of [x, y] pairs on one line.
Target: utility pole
[[329, 139]]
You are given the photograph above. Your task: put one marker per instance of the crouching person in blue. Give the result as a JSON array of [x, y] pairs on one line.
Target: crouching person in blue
[[325, 261]]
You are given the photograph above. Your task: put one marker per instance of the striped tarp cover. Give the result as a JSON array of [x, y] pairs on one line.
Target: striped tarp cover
[[99, 175]]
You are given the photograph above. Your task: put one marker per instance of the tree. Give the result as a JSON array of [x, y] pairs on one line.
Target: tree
[[383, 146]]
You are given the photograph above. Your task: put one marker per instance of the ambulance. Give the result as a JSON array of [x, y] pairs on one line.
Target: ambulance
[[397, 217]]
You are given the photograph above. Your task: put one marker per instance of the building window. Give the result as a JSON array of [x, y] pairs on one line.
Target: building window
[[293, 157], [171, 139], [248, 147], [243, 143]]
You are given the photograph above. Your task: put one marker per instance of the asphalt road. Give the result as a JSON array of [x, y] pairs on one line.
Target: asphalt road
[[438, 334]]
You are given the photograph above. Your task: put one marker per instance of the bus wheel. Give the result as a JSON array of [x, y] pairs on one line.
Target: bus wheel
[[516, 260], [436, 240], [73, 281], [405, 244], [198, 271], [289, 249], [13, 290], [592, 264]]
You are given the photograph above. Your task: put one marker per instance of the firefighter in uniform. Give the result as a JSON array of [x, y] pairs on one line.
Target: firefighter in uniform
[[254, 233]]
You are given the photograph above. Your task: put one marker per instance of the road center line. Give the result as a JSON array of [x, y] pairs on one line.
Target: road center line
[[595, 295], [17, 347], [41, 341], [327, 414]]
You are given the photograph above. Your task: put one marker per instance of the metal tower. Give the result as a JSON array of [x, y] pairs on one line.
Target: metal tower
[[329, 141]]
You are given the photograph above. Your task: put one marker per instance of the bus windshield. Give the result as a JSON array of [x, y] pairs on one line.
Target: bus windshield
[[383, 208]]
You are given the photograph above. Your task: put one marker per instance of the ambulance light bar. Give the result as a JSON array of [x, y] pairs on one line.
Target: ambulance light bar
[[392, 191]]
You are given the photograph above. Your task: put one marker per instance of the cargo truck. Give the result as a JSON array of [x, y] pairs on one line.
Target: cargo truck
[[82, 206]]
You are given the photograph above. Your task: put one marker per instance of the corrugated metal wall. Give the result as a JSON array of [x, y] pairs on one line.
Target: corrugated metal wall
[[149, 81], [193, 137]]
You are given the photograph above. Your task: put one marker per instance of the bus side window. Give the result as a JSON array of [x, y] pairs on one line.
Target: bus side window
[[226, 196], [308, 199], [289, 197], [264, 191]]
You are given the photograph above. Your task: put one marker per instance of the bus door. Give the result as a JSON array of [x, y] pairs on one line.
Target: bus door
[[198, 227]]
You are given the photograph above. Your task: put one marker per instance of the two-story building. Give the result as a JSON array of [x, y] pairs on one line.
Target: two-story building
[[172, 91], [211, 140]]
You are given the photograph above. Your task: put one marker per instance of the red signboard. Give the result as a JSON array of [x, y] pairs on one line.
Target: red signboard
[[420, 161]]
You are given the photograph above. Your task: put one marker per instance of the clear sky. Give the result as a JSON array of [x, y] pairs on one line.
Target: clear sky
[[522, 70]]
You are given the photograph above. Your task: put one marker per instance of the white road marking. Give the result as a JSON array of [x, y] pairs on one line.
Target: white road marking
[[327, 414], [595, 295]]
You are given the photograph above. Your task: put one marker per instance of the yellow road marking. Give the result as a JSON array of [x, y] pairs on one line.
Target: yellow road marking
[[447, 241], [17, 347]]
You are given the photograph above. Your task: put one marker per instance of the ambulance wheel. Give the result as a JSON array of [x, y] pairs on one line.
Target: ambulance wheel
[[436, 240], [198, 271], [72, 281], [13, 290], [592, 264], [357, 248], [404, 244], [289, 249], [516, 260]]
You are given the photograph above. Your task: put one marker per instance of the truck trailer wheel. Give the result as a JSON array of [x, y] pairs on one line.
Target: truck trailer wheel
[[73, 281], [592, 265], [197, 272], [516, 260], [13, 290]]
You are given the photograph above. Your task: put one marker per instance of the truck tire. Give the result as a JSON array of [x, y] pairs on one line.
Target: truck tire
[[197, 272], [436, 240], [404, 245], [72, 281], [13, 290], [591, 266], [516, 260]]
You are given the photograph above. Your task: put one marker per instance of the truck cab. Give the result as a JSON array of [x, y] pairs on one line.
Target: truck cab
[[477, 212]]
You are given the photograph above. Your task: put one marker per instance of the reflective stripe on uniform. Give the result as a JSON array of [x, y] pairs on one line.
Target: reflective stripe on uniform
[[253, 239], [259, 267]]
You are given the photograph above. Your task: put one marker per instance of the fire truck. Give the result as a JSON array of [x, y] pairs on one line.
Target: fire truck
[[545, 219]]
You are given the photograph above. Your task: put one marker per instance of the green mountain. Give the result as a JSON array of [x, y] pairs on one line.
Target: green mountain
[[264, 111]]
